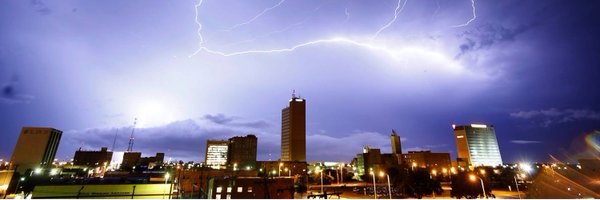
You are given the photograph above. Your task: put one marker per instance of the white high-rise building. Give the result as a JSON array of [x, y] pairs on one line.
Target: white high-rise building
[[477, 145]]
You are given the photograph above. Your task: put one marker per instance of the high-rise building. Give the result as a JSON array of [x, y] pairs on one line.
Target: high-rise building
[[396, 145], [36, 147], [100, 158], [477, 145], [216, 153], [293, 130], [242, 151]]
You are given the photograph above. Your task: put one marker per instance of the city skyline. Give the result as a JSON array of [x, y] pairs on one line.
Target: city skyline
[[193, 72]]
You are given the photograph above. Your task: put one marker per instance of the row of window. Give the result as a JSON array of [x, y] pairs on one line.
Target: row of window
[[239, 189]]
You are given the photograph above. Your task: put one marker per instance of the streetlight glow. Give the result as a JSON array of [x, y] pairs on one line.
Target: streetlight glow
[[472, 177]]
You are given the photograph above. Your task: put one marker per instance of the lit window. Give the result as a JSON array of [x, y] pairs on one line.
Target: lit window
[[218, 196], [219, 189], [240, 189], [229, 196], [249, 189], [228, 189]]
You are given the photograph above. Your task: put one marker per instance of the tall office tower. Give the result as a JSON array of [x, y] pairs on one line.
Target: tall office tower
[[293, 130], [477, 145], [216, 153], [36, 147], [396, 145], [242, 151]]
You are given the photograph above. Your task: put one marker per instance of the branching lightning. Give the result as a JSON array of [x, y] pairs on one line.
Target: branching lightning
[[365, 42], [199, 31], [472, 18], [397, 11], [256, 17]]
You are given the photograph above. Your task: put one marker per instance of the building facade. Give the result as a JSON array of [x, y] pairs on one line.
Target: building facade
[[293, 130], [477, 145], [93, 158], [242, 151], [427, 159], [36, 147], [216, 153]]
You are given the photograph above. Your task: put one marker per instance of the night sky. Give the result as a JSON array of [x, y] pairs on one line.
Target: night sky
[[197, 70]]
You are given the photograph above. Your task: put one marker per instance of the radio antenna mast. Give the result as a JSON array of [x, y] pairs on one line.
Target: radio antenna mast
[[130, 147]]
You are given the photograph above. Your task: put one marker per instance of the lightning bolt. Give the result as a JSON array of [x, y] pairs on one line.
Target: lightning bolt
[[397, 11], [365, 43], [255, 17], [199, 30], [472, 18]]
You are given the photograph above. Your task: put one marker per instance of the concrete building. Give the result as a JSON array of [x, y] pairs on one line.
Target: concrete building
[[373, 159], [130, 160], [36, 148], [242, 152], [477, 145], [293, 130], [227, 187], [135, 159], [396, 146], [216, 153], [93, 158], [427, 159]]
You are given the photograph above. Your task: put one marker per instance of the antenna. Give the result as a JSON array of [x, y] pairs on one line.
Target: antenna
[[130, 147], [293, 93], [115, 140]]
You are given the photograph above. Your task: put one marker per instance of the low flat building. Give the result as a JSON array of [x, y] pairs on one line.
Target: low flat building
[[93, 158], [427, 159]]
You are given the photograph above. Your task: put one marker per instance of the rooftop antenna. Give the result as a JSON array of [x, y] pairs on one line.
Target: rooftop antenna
[[293, 94], [130, 147], [115, 140]]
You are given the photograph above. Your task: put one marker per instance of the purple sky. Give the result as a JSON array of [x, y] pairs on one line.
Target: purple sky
[[192, 70]]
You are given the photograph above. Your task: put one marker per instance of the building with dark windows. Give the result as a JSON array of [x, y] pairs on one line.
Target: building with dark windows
[[93, 158], [130, 160], [36, 148], [216, 153], [242, 151], [427, 159], [293, 130], [477, 145]]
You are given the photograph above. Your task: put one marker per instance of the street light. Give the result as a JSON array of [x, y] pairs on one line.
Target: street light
[[473, 178], [234, 166], [517, 184], [374, 186], [289, 172], [167, 175], [389, 185], [280, 165], [414, 164], [320, 171]]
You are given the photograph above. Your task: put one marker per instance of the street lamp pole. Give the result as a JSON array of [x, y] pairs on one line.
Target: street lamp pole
[[389, 185], [280, 164], [166, 179], [517, 184], [321, 181], [483, 188], [472, 177], [374, 186]]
